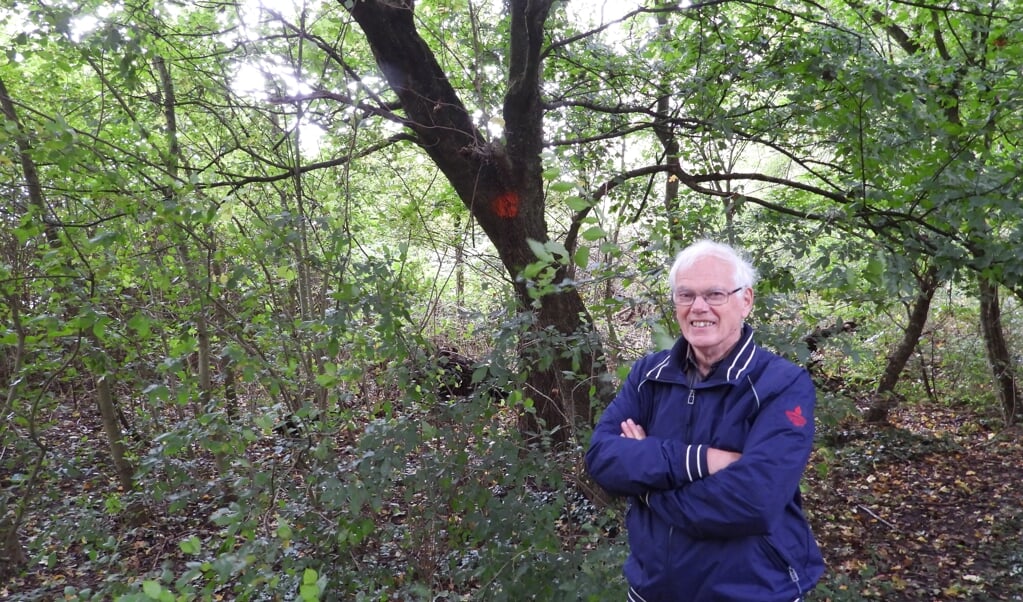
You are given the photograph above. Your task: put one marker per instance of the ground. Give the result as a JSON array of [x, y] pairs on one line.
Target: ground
[[930, 508]]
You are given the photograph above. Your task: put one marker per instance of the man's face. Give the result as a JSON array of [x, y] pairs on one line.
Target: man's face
[[712, 330]]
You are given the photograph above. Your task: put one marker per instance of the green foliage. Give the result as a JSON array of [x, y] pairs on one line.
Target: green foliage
[[441, 499], [843, 588], [950, 366], [317, 276]]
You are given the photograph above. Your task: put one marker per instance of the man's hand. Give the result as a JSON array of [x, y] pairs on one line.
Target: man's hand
[[631, 430], [717, 459]]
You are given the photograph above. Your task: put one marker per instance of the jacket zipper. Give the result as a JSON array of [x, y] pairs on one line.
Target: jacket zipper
[[793, 573], [691, 401]]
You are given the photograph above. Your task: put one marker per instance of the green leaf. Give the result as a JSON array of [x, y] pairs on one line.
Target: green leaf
[[594, 233], [152, 589], [192, 545], [661, 337], [309, 576], [582, 257], [310, 588], [309, 593], [140, 324], [558, 249], [577, 203], [157, 391], [540, 250], [105, 237]]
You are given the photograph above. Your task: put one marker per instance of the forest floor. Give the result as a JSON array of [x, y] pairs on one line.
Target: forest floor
[[930, 508]]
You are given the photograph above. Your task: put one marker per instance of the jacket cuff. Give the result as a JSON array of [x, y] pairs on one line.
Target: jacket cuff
[[696, 462]]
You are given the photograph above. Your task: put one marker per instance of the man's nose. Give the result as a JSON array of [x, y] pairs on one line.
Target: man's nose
[[700, 302]]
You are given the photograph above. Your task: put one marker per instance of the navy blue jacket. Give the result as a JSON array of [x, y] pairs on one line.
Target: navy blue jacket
[[737, 535]]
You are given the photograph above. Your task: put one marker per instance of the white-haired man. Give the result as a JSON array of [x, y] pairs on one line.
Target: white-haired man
[[709, 440]]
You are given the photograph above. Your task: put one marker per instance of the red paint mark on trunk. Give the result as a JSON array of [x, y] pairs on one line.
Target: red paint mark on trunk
[[506, 205]]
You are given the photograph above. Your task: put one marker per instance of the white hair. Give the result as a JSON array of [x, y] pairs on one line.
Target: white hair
[[744, 275]]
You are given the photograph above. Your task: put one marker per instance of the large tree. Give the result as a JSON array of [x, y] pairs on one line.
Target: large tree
[[501, 183]]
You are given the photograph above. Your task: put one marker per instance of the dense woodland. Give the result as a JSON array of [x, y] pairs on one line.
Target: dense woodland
[[318, 300]]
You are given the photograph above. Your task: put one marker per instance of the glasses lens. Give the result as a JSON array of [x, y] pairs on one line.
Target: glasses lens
[[711, 297]]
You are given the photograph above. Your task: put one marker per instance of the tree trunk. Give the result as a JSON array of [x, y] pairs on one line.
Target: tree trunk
[[884, 398], [28, 165], [998, 351], [672, 151], [502, 186], [12, 555], [191, 266], [459, 265], [225, 366], [105, 401]]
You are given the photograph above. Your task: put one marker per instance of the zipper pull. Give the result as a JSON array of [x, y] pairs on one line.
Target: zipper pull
[[692, 397]]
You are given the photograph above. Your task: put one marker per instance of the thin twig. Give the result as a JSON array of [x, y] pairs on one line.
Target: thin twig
[[871, 513]]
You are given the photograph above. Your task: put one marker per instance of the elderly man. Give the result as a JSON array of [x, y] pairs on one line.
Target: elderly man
[[709, 441]]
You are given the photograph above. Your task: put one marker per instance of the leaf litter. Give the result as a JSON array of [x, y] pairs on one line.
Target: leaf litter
[[929, 508]]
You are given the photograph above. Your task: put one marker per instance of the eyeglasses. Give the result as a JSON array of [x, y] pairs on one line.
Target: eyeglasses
[[711, 297]]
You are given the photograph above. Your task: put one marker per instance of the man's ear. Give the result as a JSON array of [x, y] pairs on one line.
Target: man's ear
[[747, 301]]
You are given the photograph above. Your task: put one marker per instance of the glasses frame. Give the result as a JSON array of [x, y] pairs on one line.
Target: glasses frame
[[724, 300]]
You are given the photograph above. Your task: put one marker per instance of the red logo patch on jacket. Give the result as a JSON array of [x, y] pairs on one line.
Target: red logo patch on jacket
[[796, 416]]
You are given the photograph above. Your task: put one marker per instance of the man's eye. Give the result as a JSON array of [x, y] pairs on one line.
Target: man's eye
[[714, 296]]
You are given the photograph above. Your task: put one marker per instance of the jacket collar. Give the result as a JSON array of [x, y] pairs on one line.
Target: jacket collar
[[735, 365]]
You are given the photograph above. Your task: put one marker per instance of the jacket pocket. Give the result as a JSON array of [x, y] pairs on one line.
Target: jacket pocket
[[647, 568], [782, 563]]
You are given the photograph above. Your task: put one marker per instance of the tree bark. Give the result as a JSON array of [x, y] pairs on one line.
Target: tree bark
[[28, 165], [105, 400], [502, 186], [884, 398], [12, 554], [672, 151], [998, 351], [192, 267]]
